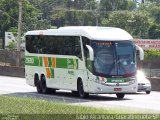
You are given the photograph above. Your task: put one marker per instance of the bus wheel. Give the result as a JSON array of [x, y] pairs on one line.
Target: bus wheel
[[81, 92], [45, 90], [39, 86], [148, 92], [53, 91], [75, 93], [37, 83], [120, 95]]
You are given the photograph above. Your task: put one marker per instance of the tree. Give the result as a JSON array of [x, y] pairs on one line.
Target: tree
[[42, 14], [141, 24], [77, 12], [155, 1], [9, 15], [155, 13], [135, 23], [153, 10], [119, 19], [114, 5], [154, 31]]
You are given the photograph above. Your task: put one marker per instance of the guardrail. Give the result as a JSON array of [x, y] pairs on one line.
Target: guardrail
[[155, 72], [12, 71], [150, 73]]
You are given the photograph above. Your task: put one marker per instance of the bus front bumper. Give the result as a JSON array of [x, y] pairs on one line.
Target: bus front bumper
[[104, 89]]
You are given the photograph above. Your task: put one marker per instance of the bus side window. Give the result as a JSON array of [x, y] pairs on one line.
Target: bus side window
[[72, 46], [31, 44], [29, 47], [77, 47], [85, 41]]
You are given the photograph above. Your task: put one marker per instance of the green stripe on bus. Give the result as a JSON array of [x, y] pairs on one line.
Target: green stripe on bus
[[68, 63], [52, 72], [32, 61], [40, 61], [61, 63], [49, 62]]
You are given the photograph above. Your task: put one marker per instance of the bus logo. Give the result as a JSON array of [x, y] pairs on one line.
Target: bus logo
[[118, 81], [29, 60]]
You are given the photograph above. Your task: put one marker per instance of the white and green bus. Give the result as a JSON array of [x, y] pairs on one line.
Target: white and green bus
[[83, 59]]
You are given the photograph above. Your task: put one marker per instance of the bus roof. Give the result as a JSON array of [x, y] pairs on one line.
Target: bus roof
[[91, 32]]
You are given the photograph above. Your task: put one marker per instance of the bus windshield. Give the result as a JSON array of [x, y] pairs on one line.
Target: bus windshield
[[114, 58]]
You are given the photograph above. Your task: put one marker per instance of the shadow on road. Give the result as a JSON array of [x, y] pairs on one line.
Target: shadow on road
[[138, 93], [66, 97]]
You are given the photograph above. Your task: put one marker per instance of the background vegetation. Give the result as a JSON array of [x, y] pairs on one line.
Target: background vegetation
[[140, 19]]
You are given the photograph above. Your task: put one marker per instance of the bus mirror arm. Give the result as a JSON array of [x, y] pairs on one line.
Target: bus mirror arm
[[91, 53], [141, 52]]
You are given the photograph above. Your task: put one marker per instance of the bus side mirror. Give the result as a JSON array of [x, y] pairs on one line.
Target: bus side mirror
[[91, 53], [141, 52]]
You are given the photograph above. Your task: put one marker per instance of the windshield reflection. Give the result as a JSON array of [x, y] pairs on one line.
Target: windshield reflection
[[125, 57], [114, 58]]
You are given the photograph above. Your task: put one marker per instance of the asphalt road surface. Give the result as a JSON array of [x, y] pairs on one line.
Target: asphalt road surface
[[17, 87]]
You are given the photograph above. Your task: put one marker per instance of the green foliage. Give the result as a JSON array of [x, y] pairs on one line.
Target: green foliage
[[155, 13], [9, 14], [9, 17], [13, 29], [152, 54], [142, 20], [154, 1], [141, 24], [119, 19], [136, 23], [74, 13], [153, 9], [111, 5], [12, 45], [154, 31]]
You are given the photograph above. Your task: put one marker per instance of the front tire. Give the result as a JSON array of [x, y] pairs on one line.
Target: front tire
[[120, 95], [148, 92], [81, 92]]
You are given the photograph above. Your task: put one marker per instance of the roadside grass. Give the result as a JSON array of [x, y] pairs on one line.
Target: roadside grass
[[16, 105], [30, 109]]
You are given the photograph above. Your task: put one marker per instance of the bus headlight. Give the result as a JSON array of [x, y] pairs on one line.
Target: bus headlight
[[132, 82], [99, 81]]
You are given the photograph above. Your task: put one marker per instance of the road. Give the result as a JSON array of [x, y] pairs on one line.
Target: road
[[17, 87]]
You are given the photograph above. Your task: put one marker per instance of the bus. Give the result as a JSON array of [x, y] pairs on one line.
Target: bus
[[83, 59]]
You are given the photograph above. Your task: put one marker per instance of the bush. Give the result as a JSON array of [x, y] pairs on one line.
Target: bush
[[152, 54], [12, 45]]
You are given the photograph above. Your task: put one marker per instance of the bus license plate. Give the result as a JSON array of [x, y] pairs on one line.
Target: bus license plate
[[117, 89]]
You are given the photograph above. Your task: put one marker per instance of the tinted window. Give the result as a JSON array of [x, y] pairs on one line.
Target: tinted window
[[114, 58], [85, 41], [60, 45], [104, 62]]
